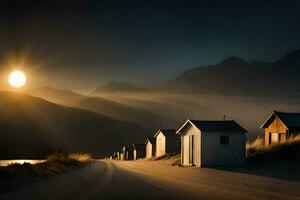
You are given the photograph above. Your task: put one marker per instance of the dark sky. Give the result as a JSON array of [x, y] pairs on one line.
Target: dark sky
[[79, 45]]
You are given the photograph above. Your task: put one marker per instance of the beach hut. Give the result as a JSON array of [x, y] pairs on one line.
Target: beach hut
[[122, 154], [212, 143], [167, 142], [127, 152], [139, 151], [150, 147], [115, 156], [280, 126], [118, 156]]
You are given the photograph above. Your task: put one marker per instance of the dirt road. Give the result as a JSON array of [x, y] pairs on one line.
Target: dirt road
[[155, 180]]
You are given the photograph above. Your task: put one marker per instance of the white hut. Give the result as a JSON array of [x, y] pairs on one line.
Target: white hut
[[212, 143], [167, 141], [150, 147], [139, 151], [121, 156], [127, 152], [118, 155]]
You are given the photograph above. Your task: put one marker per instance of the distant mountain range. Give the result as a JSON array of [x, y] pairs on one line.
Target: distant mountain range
[[30, 127], [237, 76], [232, 76], [105, 107]]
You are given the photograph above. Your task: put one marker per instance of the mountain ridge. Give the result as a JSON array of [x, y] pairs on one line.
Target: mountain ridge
[[32, 126], [105, 107], [237, 76]]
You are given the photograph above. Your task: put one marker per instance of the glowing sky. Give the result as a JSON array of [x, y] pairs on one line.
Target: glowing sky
[[90, 42]]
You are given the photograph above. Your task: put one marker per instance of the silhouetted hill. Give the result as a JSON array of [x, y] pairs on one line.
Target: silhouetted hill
[[31, 126], [105, 107], [57, 96], [237, 76], [118, 87]]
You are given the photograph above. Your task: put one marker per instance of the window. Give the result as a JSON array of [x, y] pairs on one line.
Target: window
[[224, 140]]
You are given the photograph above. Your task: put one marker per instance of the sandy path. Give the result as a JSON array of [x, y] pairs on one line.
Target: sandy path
[[98, 180], [208, 183], [155, 180]]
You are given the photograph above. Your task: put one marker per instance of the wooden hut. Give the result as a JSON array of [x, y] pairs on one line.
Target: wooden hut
[[212, 143], [280, 126], [139, 151], [150, 147], [167, 141]]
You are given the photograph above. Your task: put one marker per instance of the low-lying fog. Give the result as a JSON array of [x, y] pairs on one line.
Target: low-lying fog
[[250, 112]]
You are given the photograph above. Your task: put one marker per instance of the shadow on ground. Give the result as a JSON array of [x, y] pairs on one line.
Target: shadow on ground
[[285, 169]]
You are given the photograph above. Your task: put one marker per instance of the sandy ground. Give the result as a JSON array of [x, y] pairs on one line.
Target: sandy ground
[[156, 180]]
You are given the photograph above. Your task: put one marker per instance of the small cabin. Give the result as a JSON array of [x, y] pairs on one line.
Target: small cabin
[[167, 141], [118, 156], [127, 152], [115, 156], [280, 126], [150, 147], [212, 143], [122, 156], [139, 151]]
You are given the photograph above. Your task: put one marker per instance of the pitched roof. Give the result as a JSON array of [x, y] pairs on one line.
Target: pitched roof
[[127, 148], [167, 132], [290, 120], [215, 126], [151, 140], [139, 146]]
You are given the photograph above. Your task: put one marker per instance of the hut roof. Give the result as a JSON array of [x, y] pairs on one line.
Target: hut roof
[[290, 120], [167, 133], [151, 140], [128, 148], [138, 146], [215, 126]]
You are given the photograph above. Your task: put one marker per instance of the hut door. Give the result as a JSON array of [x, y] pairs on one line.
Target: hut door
[[275, 137], [191, 149]]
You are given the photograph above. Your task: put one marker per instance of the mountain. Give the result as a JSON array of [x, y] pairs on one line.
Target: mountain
[[118, 87], [68, 97], [30, 127], [105, 107], [237, 76]]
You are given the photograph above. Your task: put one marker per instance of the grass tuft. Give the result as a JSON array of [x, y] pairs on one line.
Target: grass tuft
[[81, 157], [256, 150]]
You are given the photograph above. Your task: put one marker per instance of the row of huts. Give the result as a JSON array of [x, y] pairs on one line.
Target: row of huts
[[210, 143]]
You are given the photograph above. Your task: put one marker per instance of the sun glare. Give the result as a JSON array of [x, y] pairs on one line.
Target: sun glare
[[17, 79]]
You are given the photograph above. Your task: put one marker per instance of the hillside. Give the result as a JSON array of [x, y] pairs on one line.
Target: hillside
[[54, 95], [31, 127], [237, 76], [105, 107]]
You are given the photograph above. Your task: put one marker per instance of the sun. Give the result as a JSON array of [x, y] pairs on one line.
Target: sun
[[17, 79]]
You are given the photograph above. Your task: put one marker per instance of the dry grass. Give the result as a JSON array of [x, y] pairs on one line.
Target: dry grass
[[82, 157], [64, 156], [257, 143], [256, 150], [295, 138], [14, 175], [166, 156]]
